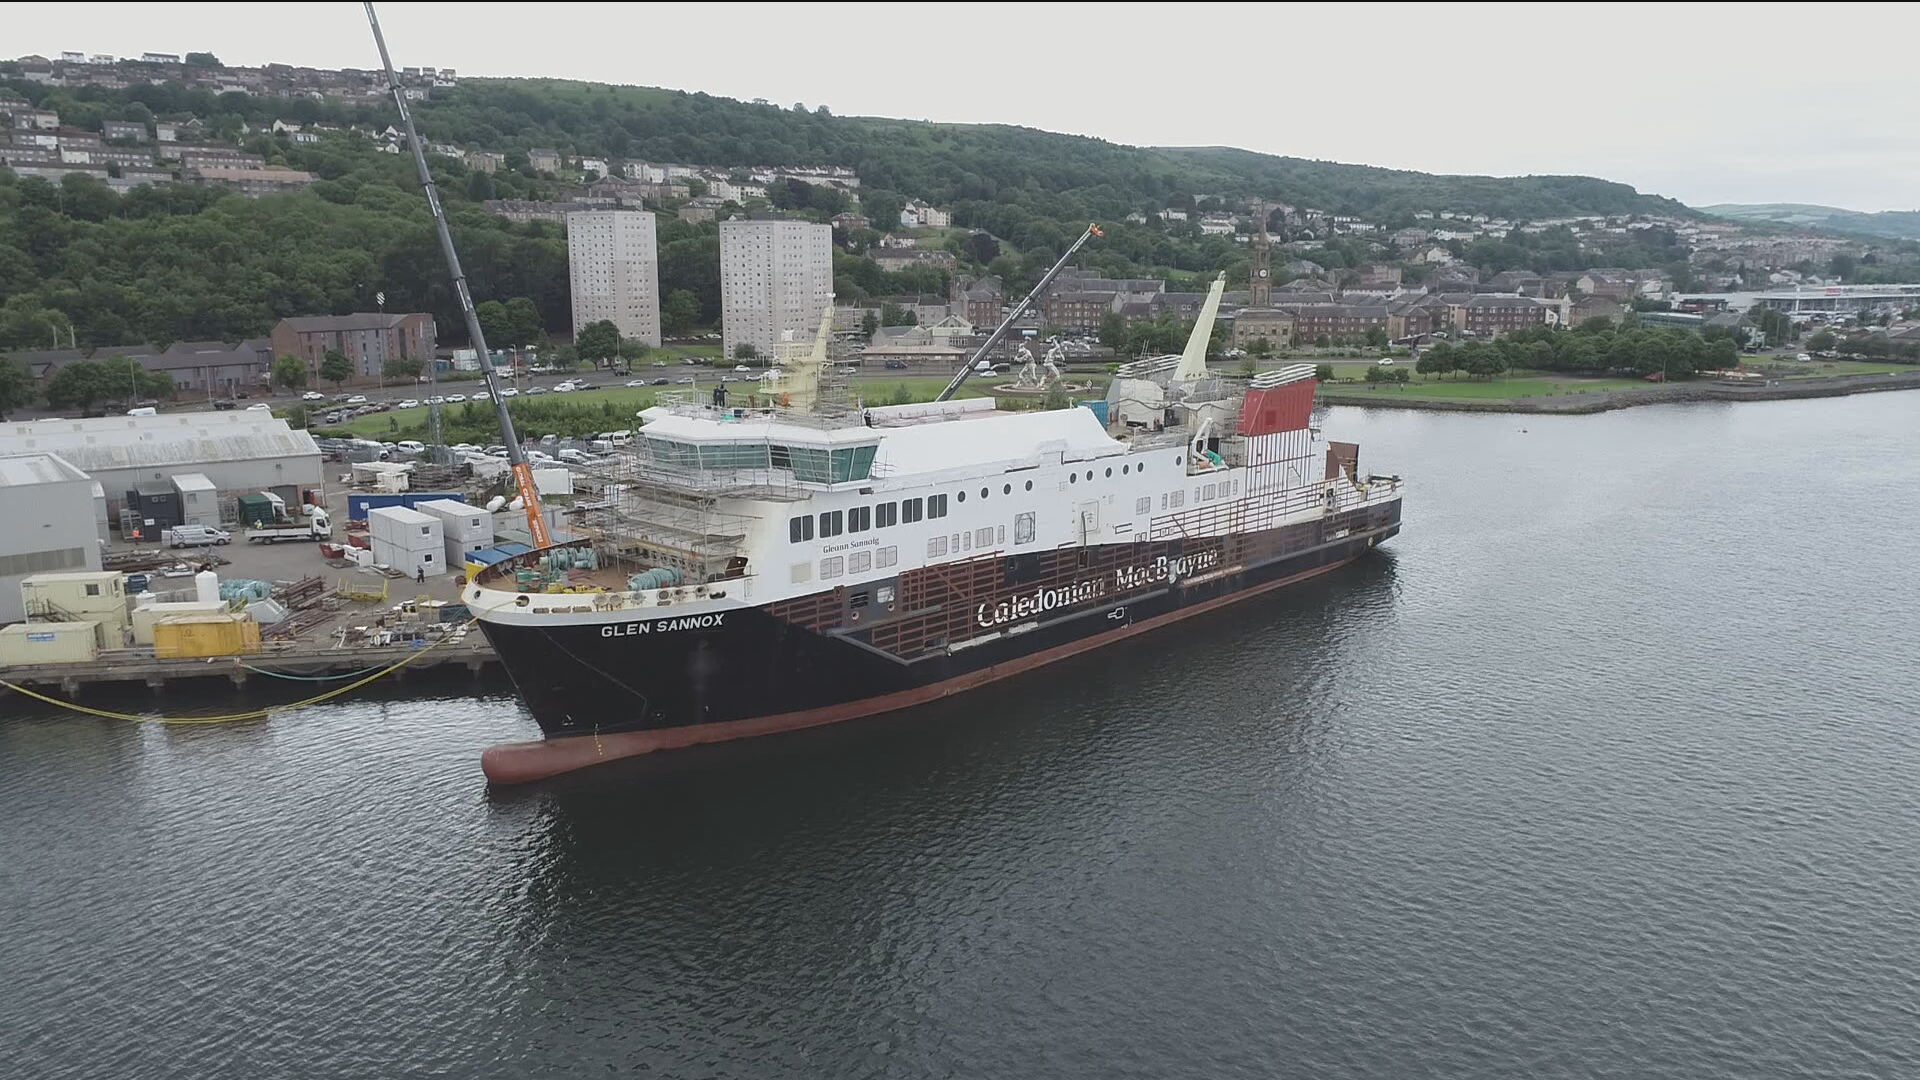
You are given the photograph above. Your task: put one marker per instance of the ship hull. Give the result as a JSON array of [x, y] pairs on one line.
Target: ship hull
[[604, 690]]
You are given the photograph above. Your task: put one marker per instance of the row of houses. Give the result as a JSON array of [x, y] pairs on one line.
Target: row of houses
[[219, 369]]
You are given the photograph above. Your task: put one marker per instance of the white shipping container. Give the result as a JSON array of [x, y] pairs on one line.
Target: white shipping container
[[460, 520], [405, 528], [48, 643], [410, 562]]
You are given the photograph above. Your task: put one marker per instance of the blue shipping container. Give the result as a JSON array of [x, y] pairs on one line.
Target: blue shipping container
[[359, 503], [1099, 407]]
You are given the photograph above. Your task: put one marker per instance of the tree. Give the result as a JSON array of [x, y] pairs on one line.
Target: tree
[[78, 385], [402, 367], [680, 311], [1323, 372], [1057, 398], [598, 342], [16, 387], [494, 322], [1435, 361], [869, 323], [892, 314], [289, 372], [980, 247], [745, 351], [336, 368], [883, 209], [1113, 331], [1821, 341], [202, 60], [1376, 336]]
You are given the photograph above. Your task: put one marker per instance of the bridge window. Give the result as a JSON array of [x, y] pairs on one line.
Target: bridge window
[[860, 519], [830, 523], [910, 510], [936, 506], [886, 514], [800, 529]]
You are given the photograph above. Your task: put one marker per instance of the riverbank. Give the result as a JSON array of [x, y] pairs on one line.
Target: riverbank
[[1408, 397]]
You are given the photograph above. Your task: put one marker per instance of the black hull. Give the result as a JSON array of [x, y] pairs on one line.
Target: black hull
[[839, 654]]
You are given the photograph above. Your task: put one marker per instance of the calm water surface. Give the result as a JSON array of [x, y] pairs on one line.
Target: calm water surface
[[1606, 767]]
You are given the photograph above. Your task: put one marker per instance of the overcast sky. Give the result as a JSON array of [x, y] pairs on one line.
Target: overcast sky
[[1705, 103]]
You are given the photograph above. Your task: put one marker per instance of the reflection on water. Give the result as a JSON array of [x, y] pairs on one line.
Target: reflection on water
[[1602, 767]]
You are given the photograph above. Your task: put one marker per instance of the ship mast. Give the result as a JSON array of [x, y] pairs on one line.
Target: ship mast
[[522, 468]]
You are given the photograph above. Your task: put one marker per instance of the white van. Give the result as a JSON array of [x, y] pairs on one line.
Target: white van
[[196, 536], [619, 438], [412, 446], [144, 411]]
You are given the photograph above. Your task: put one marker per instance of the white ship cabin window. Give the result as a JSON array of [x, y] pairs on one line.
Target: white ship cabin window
[[910, 510], [833, 567], [886, 514], [1178, 499], [1212, 490], [859, 562], [1143, 505], [1196, 495], [936, 547], [1023, 528], [800, 529], [936, 506], [830, 523], [983, 537], [860, 519], [1000, 534], [963, 542], [883, 558]]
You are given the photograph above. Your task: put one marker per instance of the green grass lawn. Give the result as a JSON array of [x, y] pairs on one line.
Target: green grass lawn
[[1854, 367], [1460, 388]]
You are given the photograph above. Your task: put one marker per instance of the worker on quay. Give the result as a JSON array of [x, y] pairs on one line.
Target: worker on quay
[[420, 575]]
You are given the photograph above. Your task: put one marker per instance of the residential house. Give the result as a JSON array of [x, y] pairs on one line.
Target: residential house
[[1614, 284], [1216, 225], [980, 299], [485, 160], [1380, 274], [210, 367], [891, 259], [1597, 307], [1271, 325], [368, 339], [37, 119], [525, 210], [695, 214], [1524, 282], [1493, 314], [918, 215], [253, 183], [544, 159], [851, 222], [1338, 321], [1410, 238], [124, 131]]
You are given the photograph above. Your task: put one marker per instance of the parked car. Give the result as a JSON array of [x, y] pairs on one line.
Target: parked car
[[455, 399], [481, 396], [1385, 361], [636, 382], [741, 367], [223, 404], [685, 379], [659, 363], [573, 457], [260, 406], [331, 418], [196, 536], [313, 395], [564, 388], [357, 399], [436, 400], [412, 446], [509, 392], [581, 385], [661, 382], [536, 390], [410, 403], [896, 365]]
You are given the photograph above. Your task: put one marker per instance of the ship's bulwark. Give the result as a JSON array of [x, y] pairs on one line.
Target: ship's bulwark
[[601, 691]]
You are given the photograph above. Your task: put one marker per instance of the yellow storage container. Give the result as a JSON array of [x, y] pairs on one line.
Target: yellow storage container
[[205, 635], [47, 643]]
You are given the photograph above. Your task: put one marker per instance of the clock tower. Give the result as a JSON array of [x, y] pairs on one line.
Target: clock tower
[[1260, 276]]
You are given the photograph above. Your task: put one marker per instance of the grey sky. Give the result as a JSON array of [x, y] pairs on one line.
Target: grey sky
[[1706, 103]]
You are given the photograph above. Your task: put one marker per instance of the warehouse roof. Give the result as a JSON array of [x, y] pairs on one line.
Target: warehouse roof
[[167, 439], [29, 469]]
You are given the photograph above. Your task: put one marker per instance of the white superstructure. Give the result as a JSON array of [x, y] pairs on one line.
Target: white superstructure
[[613, 268]]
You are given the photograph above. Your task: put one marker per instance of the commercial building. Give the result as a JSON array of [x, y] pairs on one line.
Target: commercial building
[[613, 267], [48, 526], [238, 451], [776, 277], [368, 338]]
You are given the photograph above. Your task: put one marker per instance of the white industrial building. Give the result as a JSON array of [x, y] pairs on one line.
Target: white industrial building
[[613, 266], [240, 451], [775, 276], [48, 526]]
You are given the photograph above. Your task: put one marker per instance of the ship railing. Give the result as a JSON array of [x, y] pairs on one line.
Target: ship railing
[[683, 404]]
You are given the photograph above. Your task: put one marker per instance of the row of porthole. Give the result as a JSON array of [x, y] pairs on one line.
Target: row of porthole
[[1072, 478]]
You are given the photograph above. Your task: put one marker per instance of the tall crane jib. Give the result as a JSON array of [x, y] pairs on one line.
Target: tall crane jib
[[516, 455], [1000, 331]]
